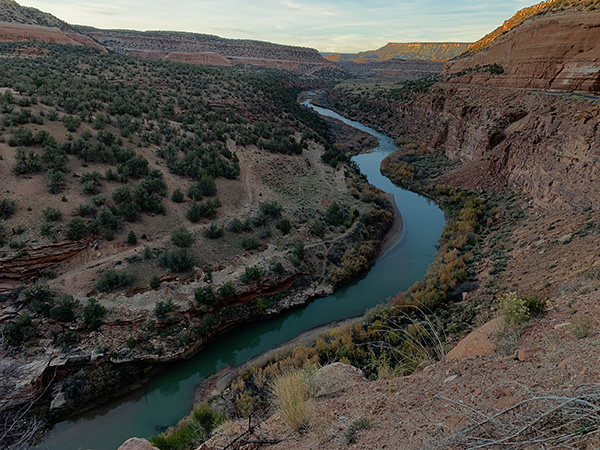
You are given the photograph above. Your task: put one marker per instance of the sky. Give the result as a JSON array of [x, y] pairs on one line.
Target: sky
[[327, 25]]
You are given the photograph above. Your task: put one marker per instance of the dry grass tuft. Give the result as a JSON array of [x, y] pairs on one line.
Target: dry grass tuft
[[290, 394]]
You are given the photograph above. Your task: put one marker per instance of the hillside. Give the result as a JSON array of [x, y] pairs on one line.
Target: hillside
[[18, 23], [207, 49], [422, 51], [552, 49], [29, 24], [144, 217]]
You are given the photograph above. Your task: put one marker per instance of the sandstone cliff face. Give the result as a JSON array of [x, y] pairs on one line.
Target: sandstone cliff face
[[542, 144], [557, 51]]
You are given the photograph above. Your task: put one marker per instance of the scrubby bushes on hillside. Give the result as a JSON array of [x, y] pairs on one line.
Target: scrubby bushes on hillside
[[176, 260]]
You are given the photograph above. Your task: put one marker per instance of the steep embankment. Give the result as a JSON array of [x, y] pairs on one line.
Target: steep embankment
[[555, 50], [540, 144], [425, 51]]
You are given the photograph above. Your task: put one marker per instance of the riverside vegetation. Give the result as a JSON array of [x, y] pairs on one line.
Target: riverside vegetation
[[390, 340]]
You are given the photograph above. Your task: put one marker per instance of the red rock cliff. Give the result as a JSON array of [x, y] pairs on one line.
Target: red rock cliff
[[556, 50]]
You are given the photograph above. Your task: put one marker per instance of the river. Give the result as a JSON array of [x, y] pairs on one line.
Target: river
[[168, 397]]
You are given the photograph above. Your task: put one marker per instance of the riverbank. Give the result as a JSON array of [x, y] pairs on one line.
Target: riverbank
[[250, 340]]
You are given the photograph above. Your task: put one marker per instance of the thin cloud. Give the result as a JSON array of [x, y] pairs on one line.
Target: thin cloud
[[328, 25]]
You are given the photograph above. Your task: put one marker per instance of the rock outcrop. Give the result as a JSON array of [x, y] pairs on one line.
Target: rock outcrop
[[556, 50], [137, 444], [477, 343]]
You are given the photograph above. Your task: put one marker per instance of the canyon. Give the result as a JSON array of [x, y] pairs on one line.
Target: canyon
[[517, 116]]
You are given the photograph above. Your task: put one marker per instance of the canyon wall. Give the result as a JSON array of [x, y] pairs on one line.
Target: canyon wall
[[545, 145], [556, 50]]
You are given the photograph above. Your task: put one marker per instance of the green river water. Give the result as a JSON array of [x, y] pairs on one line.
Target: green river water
[[168, 397]]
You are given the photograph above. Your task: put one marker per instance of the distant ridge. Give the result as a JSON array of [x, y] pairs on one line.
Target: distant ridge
[[422, 51], [22, 24], [206, 49]]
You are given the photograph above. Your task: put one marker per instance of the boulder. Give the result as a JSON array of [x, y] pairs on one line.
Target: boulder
[[137, 444], [477, 343]]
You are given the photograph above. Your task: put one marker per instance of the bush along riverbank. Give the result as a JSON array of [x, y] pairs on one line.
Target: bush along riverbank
[[414, 328]]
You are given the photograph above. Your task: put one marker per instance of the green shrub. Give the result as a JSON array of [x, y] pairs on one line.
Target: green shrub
[[64, 309], [52, 214], [163, 308], [177, 196], [26, 161], [205, 296], [513, 309], [149, 191], [155, 282], [39, 297], [226, 290], [56, 181], [251, 274], [299, 251], [190, 432], [264, 233], [131, 342], [176, 260], [111, 280], [359, 424], [71, 123], [536, 305], [249, 243], [318, 228], [76, 229], [7, 207], [132, 238], [213, 231], [148, 253], [207, 209], [284, 226], [237, 226], [181, 237], [46, 229], [16, 333], [270, 210], [207, 186], [93, 314], [21, 136], [277, 267], [91, 182], [107, 218]]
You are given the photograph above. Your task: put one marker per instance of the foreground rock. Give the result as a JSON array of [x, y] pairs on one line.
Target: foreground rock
[[137, 444]]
